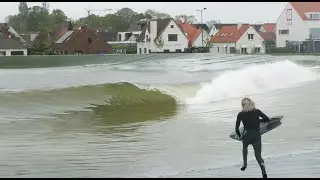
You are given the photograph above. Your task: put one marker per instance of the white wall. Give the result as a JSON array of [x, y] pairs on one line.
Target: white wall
[[250, 43], [197, 42], [144, 45], [8, 51], [299, 30], [221, 47], [181, 43]]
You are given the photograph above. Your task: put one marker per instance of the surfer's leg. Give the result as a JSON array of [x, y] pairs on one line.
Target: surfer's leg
[[257, 152], [244, 154]]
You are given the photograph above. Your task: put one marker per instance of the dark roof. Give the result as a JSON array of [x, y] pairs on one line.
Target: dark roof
[[257, 26], [202, 26], [162, 24], [11, 44], [108, 36], [27, 38], [219, 26], [137, 26], [141, 36]]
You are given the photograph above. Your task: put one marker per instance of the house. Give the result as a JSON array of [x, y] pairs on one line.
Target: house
[[297, 22], [81, 41], [241, 38], [162, 35], [11, 43]]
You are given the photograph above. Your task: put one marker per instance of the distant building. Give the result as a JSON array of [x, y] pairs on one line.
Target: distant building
[[162, 35], [11, 43], [297, 22], [81, 41], [241, 38]]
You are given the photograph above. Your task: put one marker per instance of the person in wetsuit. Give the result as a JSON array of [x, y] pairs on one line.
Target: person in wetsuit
[[249, 116]]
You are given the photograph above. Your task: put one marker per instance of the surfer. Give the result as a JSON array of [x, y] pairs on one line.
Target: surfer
[[249, 116]]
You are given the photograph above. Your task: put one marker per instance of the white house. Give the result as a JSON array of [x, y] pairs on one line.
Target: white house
[[297, 22], [162, 35], [241, 38]]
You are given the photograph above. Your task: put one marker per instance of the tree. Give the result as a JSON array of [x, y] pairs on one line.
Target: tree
[[157, 15], [58, 16], [159, 42], [211, 23], [189, 19]]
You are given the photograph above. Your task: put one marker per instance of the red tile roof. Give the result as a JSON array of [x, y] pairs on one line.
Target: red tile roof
[[229, 34], [303, 7], [267, 35], [269, 27], [192, 32]]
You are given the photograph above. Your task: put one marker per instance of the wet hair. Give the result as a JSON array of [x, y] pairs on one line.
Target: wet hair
[[247, 105]]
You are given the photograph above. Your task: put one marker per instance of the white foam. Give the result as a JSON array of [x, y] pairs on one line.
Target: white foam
[[253, 79]]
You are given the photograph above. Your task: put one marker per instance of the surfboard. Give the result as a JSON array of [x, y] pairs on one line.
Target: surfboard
[[264, 127]]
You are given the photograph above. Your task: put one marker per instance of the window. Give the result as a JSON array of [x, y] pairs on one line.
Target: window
[[166, 50], [178, 50], [289, 15], [147, 38], [145, 50], [218, 48], [172, 37], [244, 50], [65, 52], [257, 50], [140, 50], [171, 26], [119, 37], [250, 36], [89, 41], [314, 16], [149, 51], [283, 31], [16, 53]]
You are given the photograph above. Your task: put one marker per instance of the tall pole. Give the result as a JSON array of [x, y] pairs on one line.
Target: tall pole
[[202, 28]]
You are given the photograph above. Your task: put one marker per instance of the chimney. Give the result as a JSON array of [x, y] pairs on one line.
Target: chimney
[[153, 29], [70, 26]]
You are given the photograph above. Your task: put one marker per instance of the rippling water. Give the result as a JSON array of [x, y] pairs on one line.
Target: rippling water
[[163, 115]]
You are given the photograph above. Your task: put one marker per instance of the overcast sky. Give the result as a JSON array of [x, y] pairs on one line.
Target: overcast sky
[[226, 12]]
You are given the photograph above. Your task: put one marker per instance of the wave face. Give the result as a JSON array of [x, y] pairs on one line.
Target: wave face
[[253, 79]]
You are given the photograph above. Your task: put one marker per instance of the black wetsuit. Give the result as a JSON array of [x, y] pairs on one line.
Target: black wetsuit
[[251, 123]]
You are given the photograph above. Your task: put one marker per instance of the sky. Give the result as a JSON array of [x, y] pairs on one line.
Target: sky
[[225, 12]]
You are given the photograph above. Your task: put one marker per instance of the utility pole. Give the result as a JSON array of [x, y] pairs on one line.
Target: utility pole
[[89, 11], [202, 28]]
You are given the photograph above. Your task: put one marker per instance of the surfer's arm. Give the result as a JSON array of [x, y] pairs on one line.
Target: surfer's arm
[[238, 125], [265, 118]]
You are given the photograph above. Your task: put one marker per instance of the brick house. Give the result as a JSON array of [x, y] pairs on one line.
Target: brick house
[[81, 41]]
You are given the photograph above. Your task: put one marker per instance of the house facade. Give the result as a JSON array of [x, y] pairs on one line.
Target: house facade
[[81, 41], [297, 22], [11, 43], [162, 35], [241, 38]]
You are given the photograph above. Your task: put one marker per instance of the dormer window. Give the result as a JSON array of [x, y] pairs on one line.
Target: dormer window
[[171, 26], [314, 16]]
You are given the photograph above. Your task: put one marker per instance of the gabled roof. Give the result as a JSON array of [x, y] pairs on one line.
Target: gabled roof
[[201, 26], [229, 34], [304, 7], [11, 44], [191, 30], [219, 26]]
